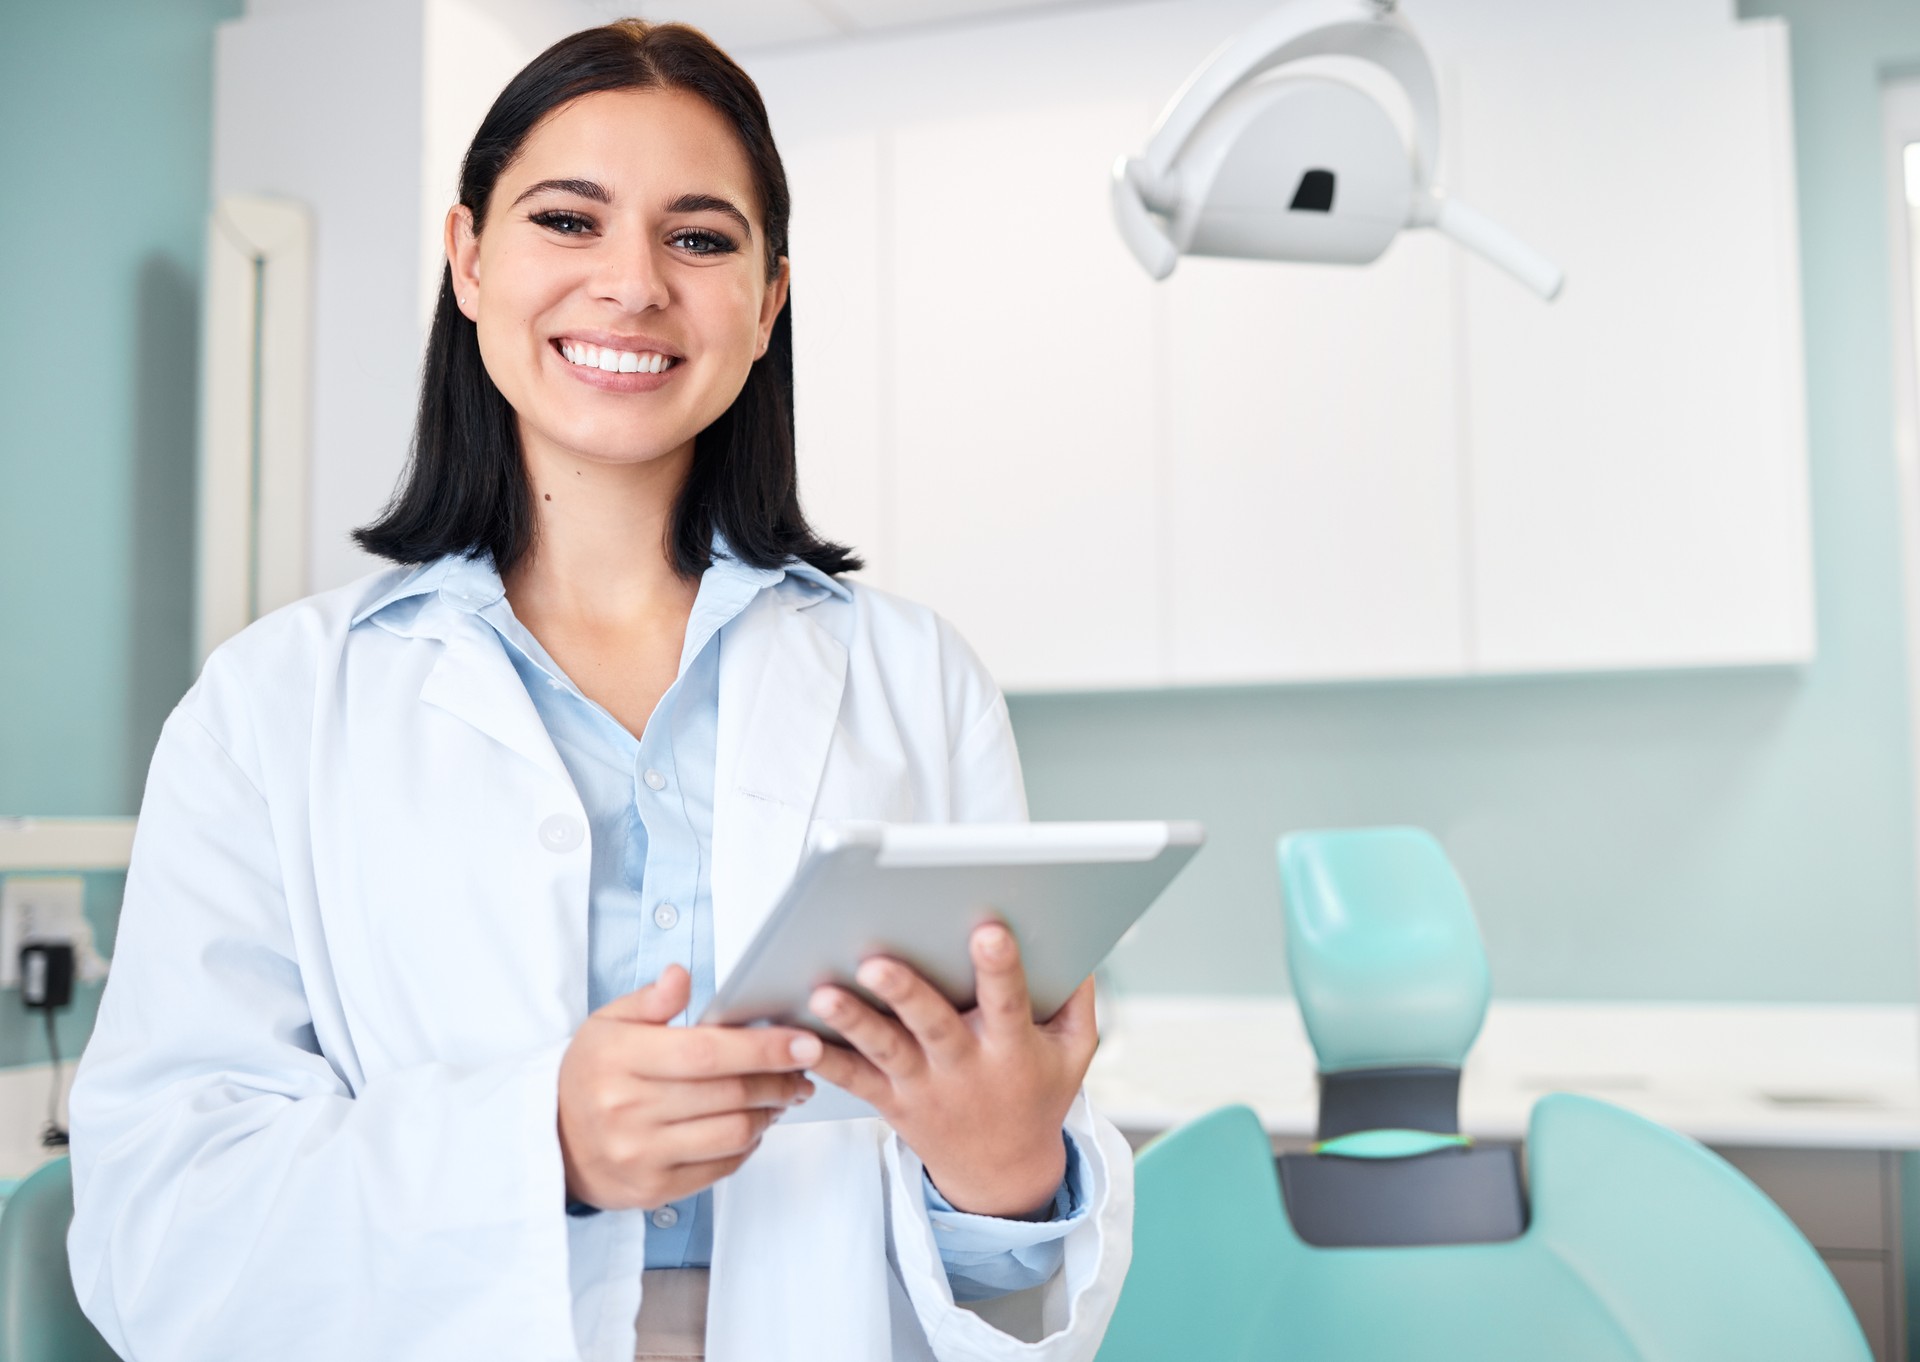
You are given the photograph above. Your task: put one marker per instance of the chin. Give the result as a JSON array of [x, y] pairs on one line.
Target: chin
[[639, 446]]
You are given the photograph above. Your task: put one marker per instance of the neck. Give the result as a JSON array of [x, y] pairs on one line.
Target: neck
[[601, 552]]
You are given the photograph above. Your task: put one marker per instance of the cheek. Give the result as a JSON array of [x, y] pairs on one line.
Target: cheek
[[730, 313], [506, 355]]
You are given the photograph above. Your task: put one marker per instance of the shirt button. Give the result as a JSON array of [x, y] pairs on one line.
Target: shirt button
[[562, 832], [665, 916], [666, 1218], [655, 781]]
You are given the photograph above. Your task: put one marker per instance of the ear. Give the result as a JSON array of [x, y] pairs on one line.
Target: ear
[[770, 305], [463, 257]]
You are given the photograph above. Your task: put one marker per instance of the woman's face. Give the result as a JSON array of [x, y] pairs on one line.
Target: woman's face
[[619, 283]]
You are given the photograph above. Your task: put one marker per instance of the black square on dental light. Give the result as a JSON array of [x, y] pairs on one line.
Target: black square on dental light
[[1315, 194]]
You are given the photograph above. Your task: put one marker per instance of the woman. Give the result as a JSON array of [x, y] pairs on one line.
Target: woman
[[433, 870]]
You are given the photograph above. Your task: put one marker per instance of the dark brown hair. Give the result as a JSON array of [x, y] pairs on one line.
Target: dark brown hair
[[466, 490]]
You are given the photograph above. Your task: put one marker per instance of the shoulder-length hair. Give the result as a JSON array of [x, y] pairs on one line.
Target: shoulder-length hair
[[466, 489]]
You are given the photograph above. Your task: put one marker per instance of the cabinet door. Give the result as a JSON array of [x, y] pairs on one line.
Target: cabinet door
[[835, 246], [1638, 464], [1025, 478], [1314, 480]]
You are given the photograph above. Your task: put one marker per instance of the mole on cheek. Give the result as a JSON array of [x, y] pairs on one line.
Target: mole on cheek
[[549, 496]]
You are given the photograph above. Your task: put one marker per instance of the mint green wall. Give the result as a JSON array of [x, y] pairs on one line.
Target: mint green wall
[[104, 140], [104, 144], [1704, 835]]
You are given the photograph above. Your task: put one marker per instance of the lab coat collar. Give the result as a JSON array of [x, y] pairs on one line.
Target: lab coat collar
[[470, 584]]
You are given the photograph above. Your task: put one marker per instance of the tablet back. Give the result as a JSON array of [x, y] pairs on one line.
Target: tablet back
[[916, 892]]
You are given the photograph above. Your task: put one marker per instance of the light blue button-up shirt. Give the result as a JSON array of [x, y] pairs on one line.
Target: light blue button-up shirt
[[649, 803]]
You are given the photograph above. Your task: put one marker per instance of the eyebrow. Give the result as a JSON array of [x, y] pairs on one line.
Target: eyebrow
[[586, 189], [710, 203], [593, 189]]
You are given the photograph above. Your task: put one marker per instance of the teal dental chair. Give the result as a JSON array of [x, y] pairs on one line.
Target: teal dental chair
[[1396, 1238], [40, 1318]]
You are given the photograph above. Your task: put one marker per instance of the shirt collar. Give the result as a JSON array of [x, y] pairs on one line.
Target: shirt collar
[[470, 584]]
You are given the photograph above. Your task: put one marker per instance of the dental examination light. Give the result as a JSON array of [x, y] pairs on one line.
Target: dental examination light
[[1253, 162]]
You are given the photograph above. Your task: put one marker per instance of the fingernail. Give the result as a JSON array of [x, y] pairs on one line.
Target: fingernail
[[996, 941], [824, 1002], [875, 975], [805, 1049]]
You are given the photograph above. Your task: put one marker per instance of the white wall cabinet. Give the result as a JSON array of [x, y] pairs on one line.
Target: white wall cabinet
[[1259, 473]]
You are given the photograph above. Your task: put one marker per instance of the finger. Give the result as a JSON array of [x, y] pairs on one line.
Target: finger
[[739, 1092], [855, 1073], [706, 1138], [717, 1051], [1000, 981], [689, 1178], [886, 1042], [656, 1004], [930, 1017]]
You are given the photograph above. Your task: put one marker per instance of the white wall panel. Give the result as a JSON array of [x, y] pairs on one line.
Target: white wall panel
[[1638, 448], [837, 247], [1315, 481], [1024, 396]]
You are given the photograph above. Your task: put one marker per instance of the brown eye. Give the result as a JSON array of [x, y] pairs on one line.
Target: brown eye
[[561, 222], [700, 241]]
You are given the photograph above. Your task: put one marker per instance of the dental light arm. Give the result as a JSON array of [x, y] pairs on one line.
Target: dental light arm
[[1489, 240], [1250, 164]]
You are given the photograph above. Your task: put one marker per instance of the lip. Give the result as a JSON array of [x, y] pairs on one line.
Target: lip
[[616, 382], [638, 343]]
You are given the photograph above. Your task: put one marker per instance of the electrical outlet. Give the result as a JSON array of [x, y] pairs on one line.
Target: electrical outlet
[[45, 908]]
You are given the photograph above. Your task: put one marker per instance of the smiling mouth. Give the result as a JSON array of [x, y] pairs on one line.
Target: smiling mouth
[[615, 361]]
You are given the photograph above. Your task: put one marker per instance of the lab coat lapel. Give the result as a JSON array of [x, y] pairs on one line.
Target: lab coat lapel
[[474, 681], [781, 679]]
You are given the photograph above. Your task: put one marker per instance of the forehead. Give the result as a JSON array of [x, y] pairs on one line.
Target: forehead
[[652, 145]]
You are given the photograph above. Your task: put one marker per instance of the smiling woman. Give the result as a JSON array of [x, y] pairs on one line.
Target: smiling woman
[[435, 869], [622, 169]]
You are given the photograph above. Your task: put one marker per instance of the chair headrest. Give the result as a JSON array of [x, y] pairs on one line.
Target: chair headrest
[[1385, 956]]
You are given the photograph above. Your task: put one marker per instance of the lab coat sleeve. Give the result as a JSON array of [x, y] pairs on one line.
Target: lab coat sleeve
[[234, 1196], [986, 786]]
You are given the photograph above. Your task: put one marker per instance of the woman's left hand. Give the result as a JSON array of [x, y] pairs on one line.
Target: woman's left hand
[[979, 1096]]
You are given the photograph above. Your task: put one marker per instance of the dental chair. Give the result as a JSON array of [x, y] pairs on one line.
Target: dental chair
[[1397, 1237], [40, 1318]]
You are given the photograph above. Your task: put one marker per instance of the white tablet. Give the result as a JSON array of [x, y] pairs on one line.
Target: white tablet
[[916, 891]]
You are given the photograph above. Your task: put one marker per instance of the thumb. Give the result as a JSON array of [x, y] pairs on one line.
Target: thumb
[[656, 1004]]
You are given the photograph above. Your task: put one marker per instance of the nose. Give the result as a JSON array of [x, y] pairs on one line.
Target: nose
[[633, 275]]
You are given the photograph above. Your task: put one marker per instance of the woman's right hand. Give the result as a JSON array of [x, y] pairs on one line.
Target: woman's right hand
[[650, 1113]]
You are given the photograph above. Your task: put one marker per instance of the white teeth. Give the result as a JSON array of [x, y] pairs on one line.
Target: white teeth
[[613, 361]]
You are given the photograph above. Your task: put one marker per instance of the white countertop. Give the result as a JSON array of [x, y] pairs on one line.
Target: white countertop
[[1793, 1075], [1807, 1076]]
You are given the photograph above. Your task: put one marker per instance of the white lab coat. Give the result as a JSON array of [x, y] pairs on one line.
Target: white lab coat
[[316, 1119]]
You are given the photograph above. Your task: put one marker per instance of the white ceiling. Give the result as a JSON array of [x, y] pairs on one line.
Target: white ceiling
[[741, 24]]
